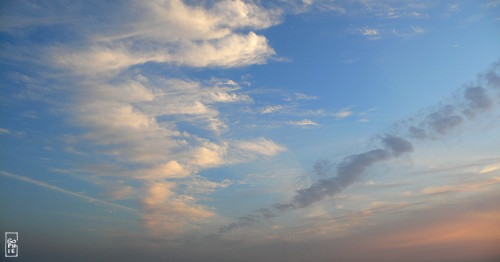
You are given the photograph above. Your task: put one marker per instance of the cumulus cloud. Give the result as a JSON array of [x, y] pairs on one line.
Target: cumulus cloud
[[177, 33], [164, 130], [165, 213], [209, 155], [171, 169]]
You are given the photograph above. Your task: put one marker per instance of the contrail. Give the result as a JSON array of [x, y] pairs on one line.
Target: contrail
[[64, 191]]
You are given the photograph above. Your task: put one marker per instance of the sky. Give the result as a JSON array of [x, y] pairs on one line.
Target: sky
[[348, 130]]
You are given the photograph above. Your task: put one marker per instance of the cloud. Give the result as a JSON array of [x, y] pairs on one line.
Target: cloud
[[64, 191], [171, 169], [418, 30], [489, 169], [166, 214], [397, 145], [201, 185], [466, 187], [472, 100], [162, 130], [477, 99], [4, 131], [301, 96], [271, 109], [322, 167], [438, 122], [260, 146], [303, 122], [371, 33], [492, 4], [209, 155], [121, 192], [343, 113], [350, 170], [218, 35]]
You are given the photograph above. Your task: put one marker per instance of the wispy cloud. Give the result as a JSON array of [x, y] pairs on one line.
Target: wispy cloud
[[489, 169], [371, 33], [492, 4], [301, 96], [261, 146], [304, 122], [343, 113], [4, 131], [271, 109], [465, 187]]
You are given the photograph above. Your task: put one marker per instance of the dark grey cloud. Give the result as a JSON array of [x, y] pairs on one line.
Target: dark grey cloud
[[243, 221], [350, 170], [266, 213], [472, 101], [322, 167], [397, 145], [434, 124], [492, 77], [478, 98], [443, 120], [417, 132]]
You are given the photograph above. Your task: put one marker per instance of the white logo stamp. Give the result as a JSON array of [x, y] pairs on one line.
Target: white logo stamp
[[11, 245]]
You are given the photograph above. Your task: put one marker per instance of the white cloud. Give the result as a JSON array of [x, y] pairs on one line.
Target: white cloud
[[171, 169], [135, 119], [4, 131], [489, 169], [371, 32], [418, 30], [271, 109], [301, 96], [304, 122], [166, 214], [260, 146], [209, 155], [492, 4], [464, 187], [201, 185], [343, 113], [177, 33]]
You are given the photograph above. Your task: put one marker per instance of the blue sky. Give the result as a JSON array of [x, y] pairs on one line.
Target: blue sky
[[229, 130]]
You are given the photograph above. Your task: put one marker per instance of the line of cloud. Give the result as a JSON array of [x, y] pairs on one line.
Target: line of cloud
[[64, 191], [436, 124]]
